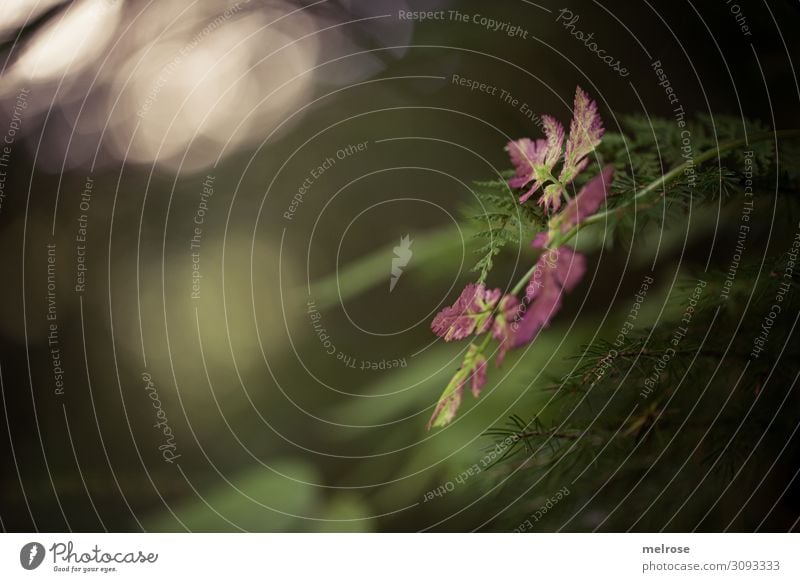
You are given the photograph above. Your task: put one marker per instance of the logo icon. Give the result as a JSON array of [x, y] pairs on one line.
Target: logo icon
[[402, 255], [31, 555]]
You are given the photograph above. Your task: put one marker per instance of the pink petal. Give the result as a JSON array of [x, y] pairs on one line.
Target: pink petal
[[504, 325], [554, 133], [551, 198], [454, 322], [541, 240], [478, 377], [557, 272], [446, 408], [585, 132], [529, 193], [570, 269], [526, 154], [588, 201], [470, 313]]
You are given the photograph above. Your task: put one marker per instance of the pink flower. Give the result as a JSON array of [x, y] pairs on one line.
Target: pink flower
[[526, 155], [585, 133], [472, 370], [587, 202], [470, 313], [557, 272], [508, 313], [534, 160], [515, 323]]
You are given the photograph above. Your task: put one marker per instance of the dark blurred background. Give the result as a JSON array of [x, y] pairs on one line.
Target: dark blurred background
[[183, 331]]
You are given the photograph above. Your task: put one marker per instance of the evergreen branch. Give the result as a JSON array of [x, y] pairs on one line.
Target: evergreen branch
[[672, 174], [663, 180]]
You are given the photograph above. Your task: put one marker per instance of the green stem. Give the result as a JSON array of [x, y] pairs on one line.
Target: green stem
[[522, 282], [555, 180], [364, 273], [485, 342]]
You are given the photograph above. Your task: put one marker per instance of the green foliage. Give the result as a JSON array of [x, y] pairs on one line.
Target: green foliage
[[673, 404], [500, 220], [649, 148], [670, 422]]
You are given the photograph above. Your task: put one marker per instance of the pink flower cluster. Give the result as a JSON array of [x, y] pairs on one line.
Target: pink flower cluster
[[516, 322], [472, 312], [534, 161]]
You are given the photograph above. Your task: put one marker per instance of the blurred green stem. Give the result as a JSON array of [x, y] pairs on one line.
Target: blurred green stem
[[372, 269]]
